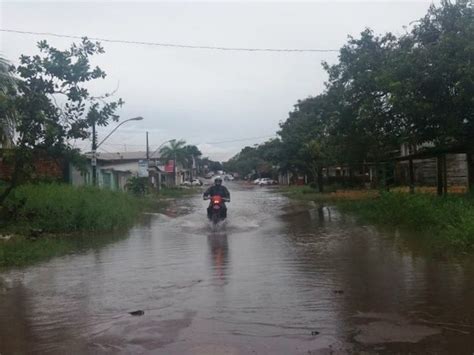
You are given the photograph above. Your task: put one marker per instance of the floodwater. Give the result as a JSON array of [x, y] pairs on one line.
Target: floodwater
[[279, 277]]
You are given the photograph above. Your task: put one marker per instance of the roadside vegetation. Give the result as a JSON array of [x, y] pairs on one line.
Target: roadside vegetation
[[39, 221], [56, 208], [445, 224], [385, 90]]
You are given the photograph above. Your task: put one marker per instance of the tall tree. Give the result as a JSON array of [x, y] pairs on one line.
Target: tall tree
[[53, 105], [306, 137], [433, 79], [7, 86], [175, 150], [364, 118]]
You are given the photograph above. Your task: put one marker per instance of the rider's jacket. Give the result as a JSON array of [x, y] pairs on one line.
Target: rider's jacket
[[217, 190]]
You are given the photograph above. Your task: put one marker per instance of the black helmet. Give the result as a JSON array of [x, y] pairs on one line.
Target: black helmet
[[218, 179]]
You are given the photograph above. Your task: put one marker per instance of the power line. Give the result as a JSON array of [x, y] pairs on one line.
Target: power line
[[241, 139], [220, 142], [174, 45], [128, 144]]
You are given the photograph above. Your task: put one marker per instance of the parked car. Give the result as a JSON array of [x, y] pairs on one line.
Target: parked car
[[209, 175], [228, 178], [257, 181], [267, 181]]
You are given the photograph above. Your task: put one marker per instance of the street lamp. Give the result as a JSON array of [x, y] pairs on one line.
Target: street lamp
[[162, 144], [156, 151], [95, 146]]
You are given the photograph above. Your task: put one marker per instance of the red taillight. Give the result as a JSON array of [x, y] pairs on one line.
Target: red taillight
[[216, 200]]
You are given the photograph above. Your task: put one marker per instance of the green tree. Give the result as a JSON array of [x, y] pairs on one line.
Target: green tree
[[7, 78], [7, 86], [433, 79], [192, 155], [53, 106], [363, 119], [175, 150], [306, 137]]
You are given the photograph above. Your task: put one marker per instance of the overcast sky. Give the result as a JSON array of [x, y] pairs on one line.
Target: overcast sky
[[206, 97]]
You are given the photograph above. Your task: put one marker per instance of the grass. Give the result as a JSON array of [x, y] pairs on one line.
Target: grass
[[67, 217], [331, 194], [445, 223], [56, 208], [177, 192]]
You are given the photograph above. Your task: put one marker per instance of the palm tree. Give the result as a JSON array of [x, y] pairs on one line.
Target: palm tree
[[6, 76], [175, 151], [7, 81], [192, 157]]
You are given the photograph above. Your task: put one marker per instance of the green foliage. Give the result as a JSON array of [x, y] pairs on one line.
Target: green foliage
[[176, 192], [175, 150], [259, 160], [444, 221], [137, 185], [384, 91], [182, 153], [305, 192], [51, 104], [7, 87], [64, 208], [7, 79]]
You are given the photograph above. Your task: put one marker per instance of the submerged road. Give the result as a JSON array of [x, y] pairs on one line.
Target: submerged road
[[279, 277]]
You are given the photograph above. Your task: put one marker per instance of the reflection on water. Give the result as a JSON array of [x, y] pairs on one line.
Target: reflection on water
[[277, 277], [219, 255]]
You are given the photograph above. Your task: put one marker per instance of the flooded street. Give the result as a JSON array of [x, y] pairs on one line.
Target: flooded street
[[280, 277]]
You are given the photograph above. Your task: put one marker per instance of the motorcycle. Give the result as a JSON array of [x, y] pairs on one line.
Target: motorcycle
[[217, 211]]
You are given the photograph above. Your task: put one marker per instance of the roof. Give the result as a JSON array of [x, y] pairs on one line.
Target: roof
[[119, 156]]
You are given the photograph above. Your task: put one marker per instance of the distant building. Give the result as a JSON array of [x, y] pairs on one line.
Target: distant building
[[425, 168], [113, 169]]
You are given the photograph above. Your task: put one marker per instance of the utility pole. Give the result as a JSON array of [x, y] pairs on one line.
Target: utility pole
[[94, 156], [147, 149], [174, 171]]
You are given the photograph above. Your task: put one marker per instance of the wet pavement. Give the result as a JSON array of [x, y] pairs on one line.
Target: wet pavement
[[279, 277]]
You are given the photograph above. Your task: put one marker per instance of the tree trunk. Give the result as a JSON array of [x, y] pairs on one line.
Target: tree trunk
[[351, 182], [445, 175], [411, 173], [320, 180], [439, 171], [17, 166], [470, 171]]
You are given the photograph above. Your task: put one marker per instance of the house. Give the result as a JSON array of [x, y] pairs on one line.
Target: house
[[425, 166], [168, 177], [113, 169], [360, 174]]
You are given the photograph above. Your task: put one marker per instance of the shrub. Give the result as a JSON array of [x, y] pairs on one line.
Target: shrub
[[448, 220], [64, 208]]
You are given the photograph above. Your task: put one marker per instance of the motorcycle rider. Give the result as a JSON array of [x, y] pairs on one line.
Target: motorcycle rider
[[219, 190]]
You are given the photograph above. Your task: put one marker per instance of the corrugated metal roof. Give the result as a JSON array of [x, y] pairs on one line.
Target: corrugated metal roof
[[120, 156]]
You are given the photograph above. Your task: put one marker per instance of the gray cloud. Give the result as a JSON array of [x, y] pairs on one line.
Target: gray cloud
[[200, 95]]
